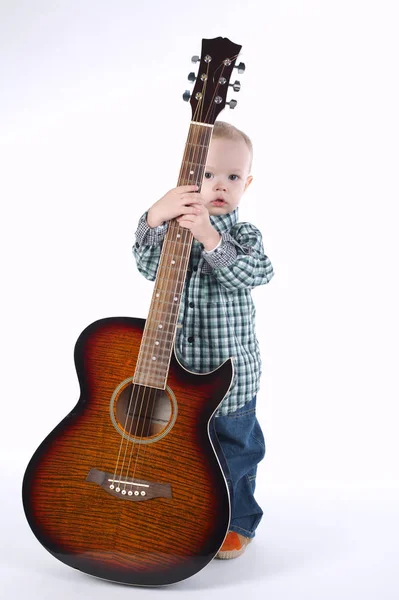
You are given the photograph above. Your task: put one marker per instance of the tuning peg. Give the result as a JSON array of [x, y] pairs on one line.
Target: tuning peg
[[191, 77], [195, 59], [232, 103], [240, 67], [236, 86], [186, 96]]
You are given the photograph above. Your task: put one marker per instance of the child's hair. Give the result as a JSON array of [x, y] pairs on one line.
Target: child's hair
[[221, 129]]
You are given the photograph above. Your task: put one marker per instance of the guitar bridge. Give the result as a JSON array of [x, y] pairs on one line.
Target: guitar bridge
[[127, 488]]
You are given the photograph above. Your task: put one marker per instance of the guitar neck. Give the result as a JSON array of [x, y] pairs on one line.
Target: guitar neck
[[159, 333]]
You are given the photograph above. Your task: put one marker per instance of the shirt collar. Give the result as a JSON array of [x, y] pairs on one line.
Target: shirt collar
[[224, 222]]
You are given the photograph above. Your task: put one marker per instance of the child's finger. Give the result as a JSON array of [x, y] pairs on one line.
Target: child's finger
[[182, 189], [191, 198]]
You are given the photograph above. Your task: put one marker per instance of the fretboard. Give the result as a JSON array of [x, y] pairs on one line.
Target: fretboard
[[160, 330]]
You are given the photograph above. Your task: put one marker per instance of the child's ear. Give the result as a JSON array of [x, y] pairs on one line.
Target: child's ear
[[249, 181]]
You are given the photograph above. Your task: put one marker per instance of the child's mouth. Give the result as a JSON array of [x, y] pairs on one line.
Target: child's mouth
[[218, 202]]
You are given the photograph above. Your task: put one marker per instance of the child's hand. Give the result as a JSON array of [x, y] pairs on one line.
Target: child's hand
[[182, 200], [200, 226]]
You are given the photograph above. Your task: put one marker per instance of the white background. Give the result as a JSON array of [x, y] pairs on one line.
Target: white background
[[92, 133]]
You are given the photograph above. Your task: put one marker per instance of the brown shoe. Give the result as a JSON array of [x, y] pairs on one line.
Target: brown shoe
[[234, 545]]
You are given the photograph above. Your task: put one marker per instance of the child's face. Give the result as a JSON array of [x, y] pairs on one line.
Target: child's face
[[226, 175]]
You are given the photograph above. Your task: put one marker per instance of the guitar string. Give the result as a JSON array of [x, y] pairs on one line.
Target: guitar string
[[143, 388], [188, 166], [133, 394], [176, 284], [186, 232], [189, 162], [163, 288]]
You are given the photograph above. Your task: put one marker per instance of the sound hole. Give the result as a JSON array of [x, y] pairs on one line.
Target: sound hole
[[142, 412]]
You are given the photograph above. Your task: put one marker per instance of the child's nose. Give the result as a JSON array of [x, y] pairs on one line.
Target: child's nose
[[220, 185]]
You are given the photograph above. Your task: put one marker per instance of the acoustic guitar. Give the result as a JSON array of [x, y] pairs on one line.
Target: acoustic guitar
[[130, 486]]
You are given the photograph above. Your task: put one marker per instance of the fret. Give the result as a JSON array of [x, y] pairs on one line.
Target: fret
[[165, 342], [195, 151], [160, 292], [162, 350], [148, 379], [193, 163], [157, 332], [162, 354], [174, 248], [148, 341], [147, 368], [155, 366], [168, 327], [165, 293], [172, 288], [152, 326], [176, 268], [175, 279], [169, 302], [167, 279], [160, 308], [182, 240], [173, 271], [191, 144], [170, 284], [162, 317], [178, 245], [159, 312], [159, 301], [146, 382], [155, 372], [188, 181], [181, 248], [163, 357]]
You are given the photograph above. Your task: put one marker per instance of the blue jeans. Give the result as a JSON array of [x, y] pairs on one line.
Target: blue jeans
[[243, 445]]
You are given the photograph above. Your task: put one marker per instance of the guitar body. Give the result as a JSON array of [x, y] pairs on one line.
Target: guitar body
[[171, 513]]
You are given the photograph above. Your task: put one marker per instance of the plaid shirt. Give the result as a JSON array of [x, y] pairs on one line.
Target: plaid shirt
[[217, 313]]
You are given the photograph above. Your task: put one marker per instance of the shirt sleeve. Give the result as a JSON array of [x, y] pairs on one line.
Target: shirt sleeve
[[240, 261], [148, 245]]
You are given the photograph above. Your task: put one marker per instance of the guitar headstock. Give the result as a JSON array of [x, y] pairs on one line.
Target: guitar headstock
[[208, 99]]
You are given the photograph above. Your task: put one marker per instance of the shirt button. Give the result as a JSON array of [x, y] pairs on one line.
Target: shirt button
[[191, 304], [190, 339], [195, 268]]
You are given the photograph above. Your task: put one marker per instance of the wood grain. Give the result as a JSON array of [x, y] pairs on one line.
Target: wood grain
[[156, 542]]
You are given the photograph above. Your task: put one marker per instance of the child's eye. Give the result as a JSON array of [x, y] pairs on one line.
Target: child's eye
[[236, 177], [208, 175]]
